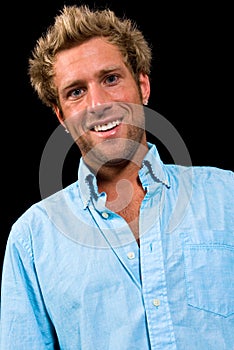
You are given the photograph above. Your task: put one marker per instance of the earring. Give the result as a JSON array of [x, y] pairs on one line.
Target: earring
[[66, 130], [145, 103]]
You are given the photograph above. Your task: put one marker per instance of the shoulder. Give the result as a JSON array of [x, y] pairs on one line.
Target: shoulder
[[37, 217], [200, 174], [203, 183], [213, 177]]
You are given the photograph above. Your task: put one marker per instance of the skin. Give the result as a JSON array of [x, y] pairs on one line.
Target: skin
[[96, 87]]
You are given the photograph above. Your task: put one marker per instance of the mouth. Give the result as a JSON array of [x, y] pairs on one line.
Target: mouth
[[107, 126]]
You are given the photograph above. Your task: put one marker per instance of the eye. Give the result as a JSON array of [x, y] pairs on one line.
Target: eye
[[112, 79], [76, 93]]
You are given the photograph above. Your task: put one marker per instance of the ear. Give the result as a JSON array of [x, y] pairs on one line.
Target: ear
[[59, 115], [145, 87]]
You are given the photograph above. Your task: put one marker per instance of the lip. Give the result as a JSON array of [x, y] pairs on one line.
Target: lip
[[108, 133], [103, 121]]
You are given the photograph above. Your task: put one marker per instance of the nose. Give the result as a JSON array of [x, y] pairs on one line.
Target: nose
[[98, 100]]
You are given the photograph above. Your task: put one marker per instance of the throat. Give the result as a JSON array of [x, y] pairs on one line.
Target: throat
[[127, 203]]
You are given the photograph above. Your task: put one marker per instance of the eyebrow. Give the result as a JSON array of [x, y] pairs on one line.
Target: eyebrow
[[110, 69], [103, 71]]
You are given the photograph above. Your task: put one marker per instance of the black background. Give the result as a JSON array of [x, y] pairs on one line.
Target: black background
[[192, 86]]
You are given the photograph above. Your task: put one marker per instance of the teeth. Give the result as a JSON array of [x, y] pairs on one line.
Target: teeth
[[107, 126]]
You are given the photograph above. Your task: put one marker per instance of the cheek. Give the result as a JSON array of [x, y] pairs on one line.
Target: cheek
[[74, 118], [128, 92], [74, 125], [133, 95]]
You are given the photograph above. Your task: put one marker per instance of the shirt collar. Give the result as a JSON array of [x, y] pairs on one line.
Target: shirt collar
[[152, 173]]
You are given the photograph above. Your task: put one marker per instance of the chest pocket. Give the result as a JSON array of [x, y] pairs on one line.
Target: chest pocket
[[209, 273]]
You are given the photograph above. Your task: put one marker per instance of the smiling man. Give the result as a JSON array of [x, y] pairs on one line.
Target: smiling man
[[136, 254], [96, 78], [100, 103]]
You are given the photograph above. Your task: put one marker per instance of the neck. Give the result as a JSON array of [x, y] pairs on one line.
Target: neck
[[121, 183], [109, 177], [126, 169], [124, 194]]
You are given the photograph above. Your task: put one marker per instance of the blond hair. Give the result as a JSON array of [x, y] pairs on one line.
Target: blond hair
[[75, 25]]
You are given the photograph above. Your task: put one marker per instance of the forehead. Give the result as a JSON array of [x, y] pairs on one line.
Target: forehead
[[87, 60], [92, 50]]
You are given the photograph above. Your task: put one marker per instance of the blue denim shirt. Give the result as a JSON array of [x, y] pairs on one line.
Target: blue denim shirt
[[75, 278]]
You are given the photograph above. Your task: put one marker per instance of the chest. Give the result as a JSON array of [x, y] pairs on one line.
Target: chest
[[128, 207]]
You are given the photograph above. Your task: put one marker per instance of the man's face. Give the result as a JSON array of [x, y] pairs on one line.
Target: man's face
[[100, 101]]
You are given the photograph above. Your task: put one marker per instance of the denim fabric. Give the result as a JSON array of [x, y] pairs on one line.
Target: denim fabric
[[75, 278]]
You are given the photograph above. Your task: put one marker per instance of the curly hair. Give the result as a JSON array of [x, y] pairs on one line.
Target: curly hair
[[75, 25]]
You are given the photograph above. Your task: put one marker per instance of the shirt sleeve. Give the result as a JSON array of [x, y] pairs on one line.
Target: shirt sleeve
[[25, 323]]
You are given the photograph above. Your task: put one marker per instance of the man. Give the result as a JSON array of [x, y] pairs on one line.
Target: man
[[136, 254]]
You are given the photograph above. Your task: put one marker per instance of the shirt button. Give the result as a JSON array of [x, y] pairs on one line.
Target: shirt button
[[131, 255], [156, 302], [105, 215]]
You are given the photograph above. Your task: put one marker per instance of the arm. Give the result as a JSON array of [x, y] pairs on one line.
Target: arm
[[25, 323]]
